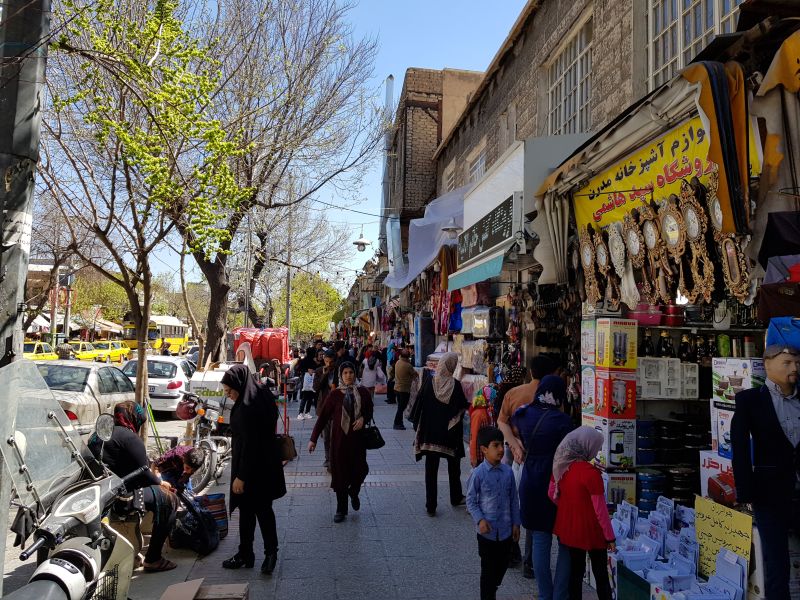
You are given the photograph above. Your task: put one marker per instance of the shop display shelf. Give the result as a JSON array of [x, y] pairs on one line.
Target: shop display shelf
[[705, 327]]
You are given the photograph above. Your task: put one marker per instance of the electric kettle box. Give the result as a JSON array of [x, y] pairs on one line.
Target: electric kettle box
[[620, 486], [616, 344], [732, 375], [588, 341], [619, 441], [712, 465], [615, 394], [587, 389]]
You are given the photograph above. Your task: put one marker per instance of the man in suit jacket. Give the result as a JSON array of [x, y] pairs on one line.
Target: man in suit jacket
[[767, 477]]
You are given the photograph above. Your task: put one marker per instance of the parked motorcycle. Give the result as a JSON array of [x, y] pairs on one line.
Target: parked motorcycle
[[64, 496], [210, 426]]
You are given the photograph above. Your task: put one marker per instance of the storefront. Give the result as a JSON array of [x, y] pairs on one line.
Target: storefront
[[665, 224]]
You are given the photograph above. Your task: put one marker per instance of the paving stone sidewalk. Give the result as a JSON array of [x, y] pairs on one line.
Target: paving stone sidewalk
[[389, 549]]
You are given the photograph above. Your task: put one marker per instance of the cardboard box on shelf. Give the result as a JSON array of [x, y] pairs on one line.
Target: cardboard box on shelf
[[619, 441], [587, 389], [615, 394], [732, 375], [620, 486], [616, 344], [723, 413], [588, 342]]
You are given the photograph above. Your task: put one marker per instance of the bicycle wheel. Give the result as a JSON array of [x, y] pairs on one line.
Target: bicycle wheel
[[202, 476]]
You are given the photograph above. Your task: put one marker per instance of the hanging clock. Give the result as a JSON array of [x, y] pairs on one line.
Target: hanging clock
[[673, 228], [616, 246], [634, 241], [587, 260], [735, 265], [610, 289], [657, 268], [702, 269]]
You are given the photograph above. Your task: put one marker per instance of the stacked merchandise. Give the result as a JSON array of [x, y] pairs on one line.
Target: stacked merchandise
[[645, 442]]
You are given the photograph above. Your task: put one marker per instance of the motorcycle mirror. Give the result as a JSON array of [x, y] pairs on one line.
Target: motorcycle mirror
[[104, 426]]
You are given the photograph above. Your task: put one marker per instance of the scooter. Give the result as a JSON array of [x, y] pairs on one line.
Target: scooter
[[85, 550]]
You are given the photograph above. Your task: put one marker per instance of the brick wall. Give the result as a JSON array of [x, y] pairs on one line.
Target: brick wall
[[618, 78]]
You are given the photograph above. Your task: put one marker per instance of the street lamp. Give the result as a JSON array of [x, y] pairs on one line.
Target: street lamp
[[361, 243], [452, 229]]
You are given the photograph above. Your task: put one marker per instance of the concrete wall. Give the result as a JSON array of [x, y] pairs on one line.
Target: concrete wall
[[457, 87]]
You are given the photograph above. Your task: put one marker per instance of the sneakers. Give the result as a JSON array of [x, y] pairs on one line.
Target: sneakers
[[301, 416]]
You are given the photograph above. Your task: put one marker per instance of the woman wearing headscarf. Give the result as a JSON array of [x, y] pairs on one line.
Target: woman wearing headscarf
[[582, 523], [347, 408], [439, 419], [124, 453], [541, 425], [256, 468]]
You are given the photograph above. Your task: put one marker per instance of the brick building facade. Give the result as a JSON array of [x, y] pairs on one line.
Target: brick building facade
[[592, 40]]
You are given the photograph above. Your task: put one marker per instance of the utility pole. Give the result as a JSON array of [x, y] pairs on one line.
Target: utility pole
[[24, 29], [247, 276], [289, 277]]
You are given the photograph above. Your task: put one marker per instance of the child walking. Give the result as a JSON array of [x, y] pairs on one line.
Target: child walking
[[582, 521], [493, 502]]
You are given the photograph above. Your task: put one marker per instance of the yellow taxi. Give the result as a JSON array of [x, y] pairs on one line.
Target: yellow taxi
[[38, 351], [111, 351], [84, 350]]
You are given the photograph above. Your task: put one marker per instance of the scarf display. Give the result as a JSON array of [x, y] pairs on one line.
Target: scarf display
[[443, 381], [351, 409], [581, 444], [130, 415], [551, 392]]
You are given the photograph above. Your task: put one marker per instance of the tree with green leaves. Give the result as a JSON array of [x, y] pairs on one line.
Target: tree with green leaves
[[313, 304], [131, 149]]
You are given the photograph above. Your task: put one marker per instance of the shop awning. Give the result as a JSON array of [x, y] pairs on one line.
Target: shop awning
[[39, 324], [425, 236], [485, 268]]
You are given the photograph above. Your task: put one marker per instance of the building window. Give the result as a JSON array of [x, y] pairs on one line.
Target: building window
[[680, 29], [477, 166], [570, 89], [450, 178]]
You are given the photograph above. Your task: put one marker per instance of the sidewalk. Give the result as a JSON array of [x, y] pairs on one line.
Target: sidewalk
[[389, 549]]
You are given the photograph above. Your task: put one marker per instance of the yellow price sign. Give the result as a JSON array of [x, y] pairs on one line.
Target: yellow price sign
[[720, 527]]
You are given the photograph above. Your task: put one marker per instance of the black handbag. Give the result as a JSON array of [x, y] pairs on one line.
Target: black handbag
[[373, 440]]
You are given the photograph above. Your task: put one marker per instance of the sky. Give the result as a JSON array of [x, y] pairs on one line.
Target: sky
[[458, 34]]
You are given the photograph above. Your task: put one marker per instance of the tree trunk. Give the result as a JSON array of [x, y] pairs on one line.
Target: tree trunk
[[141, 318], [216, 325]]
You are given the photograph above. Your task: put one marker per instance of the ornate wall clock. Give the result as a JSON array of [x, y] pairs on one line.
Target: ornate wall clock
[[658, 268], [673, 228], [588, 261], [603, 259], [637, 252], [735, 267], [696, 225]]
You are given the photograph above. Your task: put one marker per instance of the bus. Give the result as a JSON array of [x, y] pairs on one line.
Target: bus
[[161, 327]]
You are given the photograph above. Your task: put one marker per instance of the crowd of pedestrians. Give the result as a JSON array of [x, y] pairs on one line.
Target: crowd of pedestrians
[[531, 468]]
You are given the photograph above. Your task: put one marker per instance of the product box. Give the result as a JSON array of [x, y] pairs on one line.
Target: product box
[[619, 441], [587, 389], [723, 415], [616, 344], [620, 486], [588, 341], [690, 381], [719, 472], [732, 375], [615, 394]]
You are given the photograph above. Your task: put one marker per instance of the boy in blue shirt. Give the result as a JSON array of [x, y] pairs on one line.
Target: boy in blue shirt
[[493, 502]]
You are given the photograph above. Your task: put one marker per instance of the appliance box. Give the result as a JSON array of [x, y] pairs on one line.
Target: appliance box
[[615, 394], [713, 465], [616, 345], [619, 441], [620, 486], [588, 341], [723, 415], [587, 389], [731, 375]]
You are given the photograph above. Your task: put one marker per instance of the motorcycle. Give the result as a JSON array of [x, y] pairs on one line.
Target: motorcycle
[[64, 497], [210, 426]]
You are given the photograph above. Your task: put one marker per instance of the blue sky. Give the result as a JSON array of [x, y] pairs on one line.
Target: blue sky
[[460, 34]]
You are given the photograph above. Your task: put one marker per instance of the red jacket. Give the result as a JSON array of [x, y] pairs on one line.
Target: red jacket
[[582, 519]]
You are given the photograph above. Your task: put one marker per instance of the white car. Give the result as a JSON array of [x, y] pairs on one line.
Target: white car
[[167, 377]]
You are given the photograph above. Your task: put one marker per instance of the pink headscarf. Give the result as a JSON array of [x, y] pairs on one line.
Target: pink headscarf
[[581, 444]]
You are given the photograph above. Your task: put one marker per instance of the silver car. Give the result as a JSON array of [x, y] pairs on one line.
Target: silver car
[[167, 377], [85, 390]]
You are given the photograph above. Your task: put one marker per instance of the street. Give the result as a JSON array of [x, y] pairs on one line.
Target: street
[[389, 549]]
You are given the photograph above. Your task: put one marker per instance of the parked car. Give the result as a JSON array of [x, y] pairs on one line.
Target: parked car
[[85, 390], [83, 350], [193, 353], [111, 351], [167, 377], [38, 351]]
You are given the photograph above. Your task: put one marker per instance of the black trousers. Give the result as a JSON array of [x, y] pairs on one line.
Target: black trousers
[[163, 520], [391, 397], [495, 556], [431, 475], [773, 528], [577, 567], [343, 495], [248, 515], [402, 403], [307, 400]]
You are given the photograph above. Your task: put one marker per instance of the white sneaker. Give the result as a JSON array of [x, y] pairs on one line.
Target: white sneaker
[[309, 416], [300, 417]]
